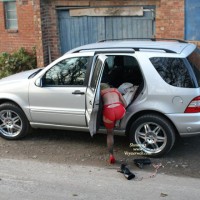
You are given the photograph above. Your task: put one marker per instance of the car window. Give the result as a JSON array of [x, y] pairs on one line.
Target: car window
[[97, 68], [70, 71], [173, 71], [124, 68], [194, 60]]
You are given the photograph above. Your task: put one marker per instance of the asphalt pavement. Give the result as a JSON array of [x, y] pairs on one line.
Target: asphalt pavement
[[33, 180]]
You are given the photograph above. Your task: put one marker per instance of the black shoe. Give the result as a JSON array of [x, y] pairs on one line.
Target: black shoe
[[141, 162], [124, 169]]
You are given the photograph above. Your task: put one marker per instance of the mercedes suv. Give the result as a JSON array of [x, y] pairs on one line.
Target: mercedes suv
[[66, 93]]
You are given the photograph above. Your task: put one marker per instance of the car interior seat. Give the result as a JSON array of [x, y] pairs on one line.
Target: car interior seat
[[116, 73]]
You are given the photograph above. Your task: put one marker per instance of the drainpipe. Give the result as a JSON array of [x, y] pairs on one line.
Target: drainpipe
[[49, 54]]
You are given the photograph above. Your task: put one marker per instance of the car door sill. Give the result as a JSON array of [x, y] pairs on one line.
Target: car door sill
[[73, 128], [58, 126]]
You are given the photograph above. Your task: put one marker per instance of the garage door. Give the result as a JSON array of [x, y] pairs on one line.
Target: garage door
[[192, 19], [80, 30]]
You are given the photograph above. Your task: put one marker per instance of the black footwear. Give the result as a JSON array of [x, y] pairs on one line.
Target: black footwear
[[124, 169], [141, 162]]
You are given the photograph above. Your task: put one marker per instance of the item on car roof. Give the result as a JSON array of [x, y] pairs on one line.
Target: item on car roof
[[141, 162]]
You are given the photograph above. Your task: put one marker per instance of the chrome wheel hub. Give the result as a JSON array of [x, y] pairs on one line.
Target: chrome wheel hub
[[9, 123], [151, 138]]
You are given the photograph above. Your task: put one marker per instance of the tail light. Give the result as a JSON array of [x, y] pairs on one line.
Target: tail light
[[194, 106]]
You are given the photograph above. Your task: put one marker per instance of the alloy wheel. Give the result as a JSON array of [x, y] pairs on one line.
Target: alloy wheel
[[150, 137], [10, 123]]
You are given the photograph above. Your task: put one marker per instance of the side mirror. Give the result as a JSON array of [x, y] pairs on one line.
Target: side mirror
[[38, 82]]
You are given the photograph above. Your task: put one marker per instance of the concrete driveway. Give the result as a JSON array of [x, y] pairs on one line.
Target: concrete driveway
[[33, 180], [55, 165]]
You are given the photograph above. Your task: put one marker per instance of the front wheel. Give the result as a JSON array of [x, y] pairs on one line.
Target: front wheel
[[13, 122], [153, 134]]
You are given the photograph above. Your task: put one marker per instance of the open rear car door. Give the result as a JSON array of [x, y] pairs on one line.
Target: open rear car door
[[93, 97]]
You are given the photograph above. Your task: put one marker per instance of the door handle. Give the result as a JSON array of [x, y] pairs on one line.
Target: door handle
[[90, 102], [78, 92]]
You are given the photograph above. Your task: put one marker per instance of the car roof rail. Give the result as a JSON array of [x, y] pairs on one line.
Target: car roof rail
[[118, 39], [110, 50], [151, 39], [169, 39]]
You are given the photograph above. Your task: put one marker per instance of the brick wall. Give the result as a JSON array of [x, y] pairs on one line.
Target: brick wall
[[196, 43], [51, 42], [170, 19], [37, 22], [24, 36], [40, 24]]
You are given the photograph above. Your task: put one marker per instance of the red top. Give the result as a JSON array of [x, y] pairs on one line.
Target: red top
[[114, 90]]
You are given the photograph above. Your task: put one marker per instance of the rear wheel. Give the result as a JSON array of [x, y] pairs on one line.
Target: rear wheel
[[153, 134], [13, 122]]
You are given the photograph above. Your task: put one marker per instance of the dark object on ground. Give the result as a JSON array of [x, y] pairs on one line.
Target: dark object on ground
[[124, 169], [141, 162]]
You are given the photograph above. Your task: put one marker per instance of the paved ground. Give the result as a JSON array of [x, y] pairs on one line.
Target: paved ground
[[80, 148], [33, 180], [70, 165]]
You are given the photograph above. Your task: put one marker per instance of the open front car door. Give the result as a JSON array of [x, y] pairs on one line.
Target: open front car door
[[93, 94]]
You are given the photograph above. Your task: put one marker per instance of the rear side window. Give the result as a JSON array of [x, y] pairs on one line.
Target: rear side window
[[173, 71], [194, 60]]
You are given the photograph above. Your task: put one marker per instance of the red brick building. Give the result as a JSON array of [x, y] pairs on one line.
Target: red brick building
[[54, 26], [22, 33]]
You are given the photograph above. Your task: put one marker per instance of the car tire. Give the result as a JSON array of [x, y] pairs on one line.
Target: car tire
[[152, 134], [13, 122]]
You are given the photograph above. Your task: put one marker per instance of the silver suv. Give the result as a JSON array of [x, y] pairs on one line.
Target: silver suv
[[66, 93]]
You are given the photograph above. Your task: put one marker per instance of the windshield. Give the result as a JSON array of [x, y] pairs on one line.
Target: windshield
[[194, 60]]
